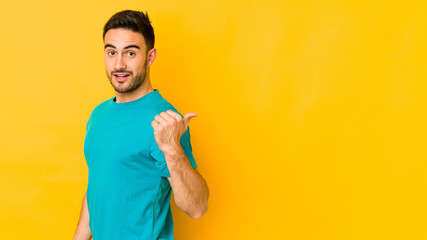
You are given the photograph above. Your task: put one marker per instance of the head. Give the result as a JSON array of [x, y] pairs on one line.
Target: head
[[128, 50]]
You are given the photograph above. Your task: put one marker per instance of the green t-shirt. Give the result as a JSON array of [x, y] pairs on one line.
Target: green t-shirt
[[128, 194]]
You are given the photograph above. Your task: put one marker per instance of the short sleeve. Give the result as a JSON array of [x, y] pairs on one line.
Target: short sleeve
[[159, 157], [89, 120], [87, 125], [186, 146]]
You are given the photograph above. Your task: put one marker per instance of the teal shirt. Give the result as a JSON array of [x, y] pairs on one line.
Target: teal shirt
[[128, 194]]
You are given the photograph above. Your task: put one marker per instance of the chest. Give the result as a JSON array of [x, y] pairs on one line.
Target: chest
[[119, 140]]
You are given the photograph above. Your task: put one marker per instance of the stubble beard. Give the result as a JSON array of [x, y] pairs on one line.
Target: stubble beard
[[131, 84], [128, 86]]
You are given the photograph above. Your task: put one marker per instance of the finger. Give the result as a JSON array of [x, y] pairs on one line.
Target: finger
[[187, 118], [160, 119], [155, 124], [167, 117], [177, 116]]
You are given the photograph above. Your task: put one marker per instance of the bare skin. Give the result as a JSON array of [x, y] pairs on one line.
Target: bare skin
[[127, 64], [83, 231]]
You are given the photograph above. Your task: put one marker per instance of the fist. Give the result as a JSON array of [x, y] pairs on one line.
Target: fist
[[168, 128]]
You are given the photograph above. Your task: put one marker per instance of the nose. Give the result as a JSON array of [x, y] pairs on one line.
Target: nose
[[120, 63]]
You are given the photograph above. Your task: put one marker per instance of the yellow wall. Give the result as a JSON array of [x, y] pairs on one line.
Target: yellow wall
[[311, 118]]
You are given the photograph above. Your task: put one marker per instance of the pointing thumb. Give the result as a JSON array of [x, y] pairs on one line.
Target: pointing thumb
[[187, 118]]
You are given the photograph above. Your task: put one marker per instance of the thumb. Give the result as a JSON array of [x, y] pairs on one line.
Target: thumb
[[187, 118]]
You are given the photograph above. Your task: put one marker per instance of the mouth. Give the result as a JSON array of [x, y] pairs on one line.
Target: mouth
[[121, 77]]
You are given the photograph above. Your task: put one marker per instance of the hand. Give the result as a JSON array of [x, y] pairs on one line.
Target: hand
[[169, 127]]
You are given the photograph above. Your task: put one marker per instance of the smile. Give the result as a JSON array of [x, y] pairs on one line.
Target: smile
[[121, 77]]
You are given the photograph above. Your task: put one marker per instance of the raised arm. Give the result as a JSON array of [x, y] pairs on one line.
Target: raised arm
[[83, 231], [190, 190]]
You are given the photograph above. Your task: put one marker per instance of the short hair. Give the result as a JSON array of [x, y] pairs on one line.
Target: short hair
[[135, 21]]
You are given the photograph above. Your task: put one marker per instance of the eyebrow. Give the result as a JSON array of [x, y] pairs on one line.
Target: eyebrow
[[129, 46]]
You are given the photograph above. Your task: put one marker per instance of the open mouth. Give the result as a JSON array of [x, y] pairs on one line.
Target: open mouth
[[121, 77]]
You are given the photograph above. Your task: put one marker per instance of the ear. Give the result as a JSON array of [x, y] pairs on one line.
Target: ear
[[151, 56]]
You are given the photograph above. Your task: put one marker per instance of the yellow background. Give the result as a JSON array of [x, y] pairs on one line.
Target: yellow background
[[311, 118]]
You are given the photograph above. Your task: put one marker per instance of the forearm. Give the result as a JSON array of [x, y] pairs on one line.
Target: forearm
[[83, 231], [189, 188]]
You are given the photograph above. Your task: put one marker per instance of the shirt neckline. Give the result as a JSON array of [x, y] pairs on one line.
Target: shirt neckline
[[147, 97]]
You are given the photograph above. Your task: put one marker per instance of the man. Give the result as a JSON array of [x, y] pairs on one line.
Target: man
[[137, 146]]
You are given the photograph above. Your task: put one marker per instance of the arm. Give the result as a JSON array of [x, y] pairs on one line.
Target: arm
[[83, 231], [190, 189]]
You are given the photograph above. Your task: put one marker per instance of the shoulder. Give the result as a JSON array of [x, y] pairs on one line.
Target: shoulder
[[100, 109], [103, 105], [162, 105], [97, 111]]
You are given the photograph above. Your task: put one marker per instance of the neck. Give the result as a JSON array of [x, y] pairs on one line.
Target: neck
[[141, 91]]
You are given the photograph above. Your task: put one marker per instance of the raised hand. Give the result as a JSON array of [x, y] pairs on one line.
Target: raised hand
[[168, 128]]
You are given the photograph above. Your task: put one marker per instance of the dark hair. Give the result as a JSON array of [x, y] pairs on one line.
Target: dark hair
[[135, 21]]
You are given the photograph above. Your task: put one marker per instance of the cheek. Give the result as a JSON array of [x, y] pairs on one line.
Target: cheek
[[137, 65], [108, 65]]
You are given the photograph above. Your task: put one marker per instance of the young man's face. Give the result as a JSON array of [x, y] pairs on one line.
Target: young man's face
[[125, 59]]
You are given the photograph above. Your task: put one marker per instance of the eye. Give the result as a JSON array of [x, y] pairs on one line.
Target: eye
[[131, 54], [111, 53]]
